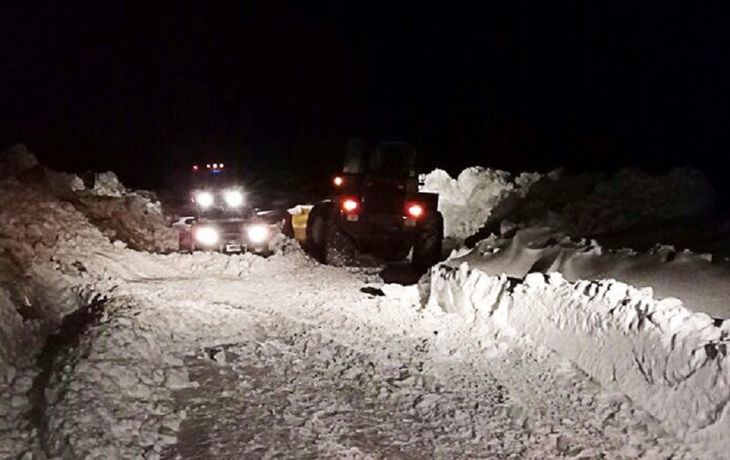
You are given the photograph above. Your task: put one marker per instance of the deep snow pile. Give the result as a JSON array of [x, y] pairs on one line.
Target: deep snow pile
[[47, 248], [467, 201], [672, 362], [480, 201], [133, 217], [37, 232]]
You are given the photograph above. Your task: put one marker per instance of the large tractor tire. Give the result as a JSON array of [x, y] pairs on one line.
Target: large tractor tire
[[339, 248], [325, 240], [428, 243]]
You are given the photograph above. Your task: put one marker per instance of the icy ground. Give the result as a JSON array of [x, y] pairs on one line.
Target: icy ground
[[204, 356]]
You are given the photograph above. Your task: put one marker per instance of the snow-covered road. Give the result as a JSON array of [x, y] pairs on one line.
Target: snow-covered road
[[110, 351], [207, 356]]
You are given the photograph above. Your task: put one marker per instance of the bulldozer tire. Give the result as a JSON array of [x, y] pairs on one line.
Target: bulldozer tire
[[339, 248]]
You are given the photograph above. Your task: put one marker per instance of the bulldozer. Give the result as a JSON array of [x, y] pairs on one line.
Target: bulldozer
[[376, 206]]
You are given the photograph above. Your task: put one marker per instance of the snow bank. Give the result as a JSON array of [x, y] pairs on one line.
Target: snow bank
[[525, 278], [703, 284], [37, 232], [467, 201], [50, 237], [672, 362], [35, 225], [134, 217], [131, 218]]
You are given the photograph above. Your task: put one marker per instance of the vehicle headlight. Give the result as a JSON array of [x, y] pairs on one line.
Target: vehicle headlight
[[257, 233], [207, 236], [204, 199], [234, 198]]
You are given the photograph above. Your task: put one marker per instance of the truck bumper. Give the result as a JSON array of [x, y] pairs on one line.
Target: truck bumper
[[232, 237], [379, 228]]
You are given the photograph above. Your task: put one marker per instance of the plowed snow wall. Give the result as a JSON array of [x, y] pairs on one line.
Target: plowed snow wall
[[672, 362]]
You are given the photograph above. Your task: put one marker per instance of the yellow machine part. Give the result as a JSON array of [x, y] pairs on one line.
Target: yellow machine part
[[299, 223]]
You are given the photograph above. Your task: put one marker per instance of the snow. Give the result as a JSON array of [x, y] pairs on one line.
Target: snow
[[669, 360], [137, 218], [581, 205], [214, 356], [697, 279], [649, 326], [229, 356], [662, 343], [466, 202], [108, 184]]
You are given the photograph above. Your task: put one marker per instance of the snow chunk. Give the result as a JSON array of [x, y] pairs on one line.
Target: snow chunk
[[467, 201], [108, 184], [407, 294]]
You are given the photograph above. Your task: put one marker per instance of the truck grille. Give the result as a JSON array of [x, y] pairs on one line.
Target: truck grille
[[230, 230]]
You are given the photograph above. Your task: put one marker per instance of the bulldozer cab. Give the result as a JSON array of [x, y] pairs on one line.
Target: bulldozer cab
[[393, 160], [382, 175]]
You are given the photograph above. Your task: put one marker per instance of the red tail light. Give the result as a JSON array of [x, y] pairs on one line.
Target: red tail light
[[415, 210], [195, 168], [350, 205], [338, 181]]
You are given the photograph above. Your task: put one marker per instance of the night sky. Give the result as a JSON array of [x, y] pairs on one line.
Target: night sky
[[516, 85]]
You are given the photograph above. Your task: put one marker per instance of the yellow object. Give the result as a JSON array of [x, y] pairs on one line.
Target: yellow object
[[299, 223]]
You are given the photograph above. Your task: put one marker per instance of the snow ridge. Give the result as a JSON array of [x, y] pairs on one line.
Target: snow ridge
[[671, 361]]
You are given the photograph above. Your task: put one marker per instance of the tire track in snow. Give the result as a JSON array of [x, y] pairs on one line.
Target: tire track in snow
[[296, 362], [523, 403]]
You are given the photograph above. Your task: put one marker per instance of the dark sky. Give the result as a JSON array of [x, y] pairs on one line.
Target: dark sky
[[513, 84]]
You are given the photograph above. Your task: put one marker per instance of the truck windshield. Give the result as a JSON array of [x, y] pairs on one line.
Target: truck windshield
[[213, 180]]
